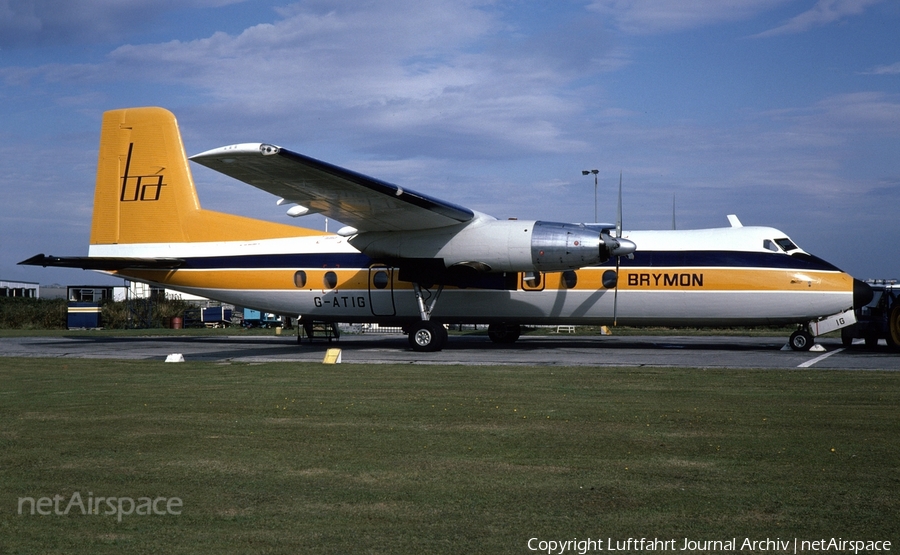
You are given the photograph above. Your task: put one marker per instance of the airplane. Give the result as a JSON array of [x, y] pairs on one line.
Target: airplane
[[404, 258]]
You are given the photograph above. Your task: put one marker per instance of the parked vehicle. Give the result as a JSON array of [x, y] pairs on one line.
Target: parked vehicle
[[880, 319]]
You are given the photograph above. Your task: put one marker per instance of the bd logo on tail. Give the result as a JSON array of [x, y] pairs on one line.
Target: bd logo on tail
[[136, 188]]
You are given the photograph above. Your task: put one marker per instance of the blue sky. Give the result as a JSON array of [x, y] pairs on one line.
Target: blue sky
[[784, 112]]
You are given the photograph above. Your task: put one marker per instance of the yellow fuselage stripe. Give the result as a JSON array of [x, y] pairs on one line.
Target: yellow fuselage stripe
[[587, 279]]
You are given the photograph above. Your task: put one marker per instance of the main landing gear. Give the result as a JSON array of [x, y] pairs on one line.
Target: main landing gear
[[426, 335], [504, 334]]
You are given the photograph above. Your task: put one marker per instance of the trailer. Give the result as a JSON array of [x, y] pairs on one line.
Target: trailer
[[880, 319], [210, 317], [257, 319]]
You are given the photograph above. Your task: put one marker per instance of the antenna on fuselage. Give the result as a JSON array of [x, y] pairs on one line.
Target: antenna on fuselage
[[673, 211]]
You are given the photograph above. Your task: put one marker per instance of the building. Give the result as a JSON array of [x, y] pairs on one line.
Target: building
[[20, 289]]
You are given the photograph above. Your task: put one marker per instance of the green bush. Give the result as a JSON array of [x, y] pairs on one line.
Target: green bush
[[52, 314], [25, 313], [142, 313]]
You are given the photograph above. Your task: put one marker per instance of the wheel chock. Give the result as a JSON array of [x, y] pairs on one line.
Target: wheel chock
[[332, 356]]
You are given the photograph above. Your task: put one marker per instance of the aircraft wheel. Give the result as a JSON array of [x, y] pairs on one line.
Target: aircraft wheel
[[504, 333], [848, 334], [443, 334], [801, 340], [427, 337], [894, 327]]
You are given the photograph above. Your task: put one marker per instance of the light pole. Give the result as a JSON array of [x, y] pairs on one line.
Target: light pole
[[595, 172]]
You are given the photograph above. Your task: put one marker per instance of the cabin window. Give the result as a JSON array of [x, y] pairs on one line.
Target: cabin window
[[330, 280], [299, 279], [570, 279], [380, 279], [533, 281], [610, 279]]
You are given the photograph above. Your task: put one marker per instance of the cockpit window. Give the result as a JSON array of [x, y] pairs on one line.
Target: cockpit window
[[768, 244], [786, 244]]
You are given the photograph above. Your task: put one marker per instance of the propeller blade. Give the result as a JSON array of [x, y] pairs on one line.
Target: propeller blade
[[616, 295], [618, 255], [619, 214]]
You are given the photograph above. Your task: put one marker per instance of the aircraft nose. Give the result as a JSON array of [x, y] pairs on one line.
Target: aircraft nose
[[862, 293]]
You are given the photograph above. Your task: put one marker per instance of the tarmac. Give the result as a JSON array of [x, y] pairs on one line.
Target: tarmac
[[554, 350]]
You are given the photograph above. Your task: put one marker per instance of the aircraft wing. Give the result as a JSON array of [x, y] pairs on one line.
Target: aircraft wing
[[363, 202]]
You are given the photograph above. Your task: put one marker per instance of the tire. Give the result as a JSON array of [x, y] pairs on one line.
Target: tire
[[894, 327], [848, 334], [801, 340], [443, 335], [504, 334], [427, 337]]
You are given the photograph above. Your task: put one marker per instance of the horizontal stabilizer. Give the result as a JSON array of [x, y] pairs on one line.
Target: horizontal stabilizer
[[103, 262]]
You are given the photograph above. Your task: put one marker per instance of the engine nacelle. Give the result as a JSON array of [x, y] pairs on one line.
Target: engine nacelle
[[556, 247], [490, 245]]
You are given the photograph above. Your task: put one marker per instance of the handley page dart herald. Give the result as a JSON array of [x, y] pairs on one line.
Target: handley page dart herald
[[407, 259]]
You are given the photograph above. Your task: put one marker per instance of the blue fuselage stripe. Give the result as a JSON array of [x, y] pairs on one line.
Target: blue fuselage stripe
[[723, 259], [642, 259]]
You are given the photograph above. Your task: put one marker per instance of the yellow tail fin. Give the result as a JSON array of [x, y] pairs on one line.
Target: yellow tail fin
[[145, 192]]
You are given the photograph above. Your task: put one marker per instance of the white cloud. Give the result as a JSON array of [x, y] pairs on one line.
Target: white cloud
[[642, 17], [890, 69], [445, 71], [823, 13], [54, 22], [843, 116]]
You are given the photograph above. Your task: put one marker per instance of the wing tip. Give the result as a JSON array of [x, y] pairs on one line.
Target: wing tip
[[240, 149]]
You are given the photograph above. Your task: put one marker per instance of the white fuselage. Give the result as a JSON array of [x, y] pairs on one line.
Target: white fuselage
[[727, 276]]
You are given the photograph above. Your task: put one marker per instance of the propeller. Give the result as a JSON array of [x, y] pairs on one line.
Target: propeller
[[618, 247], [618, 257], [619, 213]]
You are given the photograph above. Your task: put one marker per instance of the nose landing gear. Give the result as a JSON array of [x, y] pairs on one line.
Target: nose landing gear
[[801, 340]]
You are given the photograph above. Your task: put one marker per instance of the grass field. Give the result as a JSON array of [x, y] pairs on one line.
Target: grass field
[[308, 458]]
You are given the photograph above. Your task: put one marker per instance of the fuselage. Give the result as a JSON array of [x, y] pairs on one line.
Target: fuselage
[[742, 276]]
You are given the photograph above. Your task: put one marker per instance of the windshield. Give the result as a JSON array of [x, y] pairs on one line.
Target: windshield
[[786, 244]]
